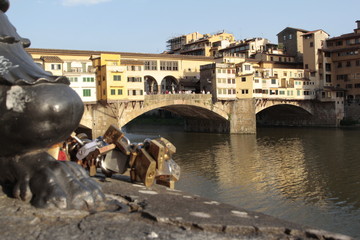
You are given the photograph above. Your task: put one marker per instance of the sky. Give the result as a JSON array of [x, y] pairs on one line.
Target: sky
[[144, 26]]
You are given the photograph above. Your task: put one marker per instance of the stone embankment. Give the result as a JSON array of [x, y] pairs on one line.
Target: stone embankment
[[137, 212]]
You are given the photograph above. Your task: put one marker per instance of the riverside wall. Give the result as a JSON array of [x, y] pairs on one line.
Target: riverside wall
[[136, 212]]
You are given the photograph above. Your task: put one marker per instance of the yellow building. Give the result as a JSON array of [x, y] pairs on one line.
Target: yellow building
[[111, 83]]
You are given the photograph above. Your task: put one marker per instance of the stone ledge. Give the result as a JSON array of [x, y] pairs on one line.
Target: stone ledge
[[148, 213]]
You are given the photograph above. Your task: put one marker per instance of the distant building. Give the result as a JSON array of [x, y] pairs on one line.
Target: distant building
[[291, 41], [199, 44], [245, 48], [219, 79], [177, 43], [342, 55]]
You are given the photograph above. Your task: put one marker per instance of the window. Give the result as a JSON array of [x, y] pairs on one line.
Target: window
[[349, 86], [327, 54], [86, 92], [247, 67], [328, 66], [168, 66], [357, 62], [150, 65], [244, 91], [83, 67], [306, 66], [88, 79], [73, 79], [243, 79], [112, 91], [342, 77], [119, 91], [311, 44], [117, 77], [339, 65], [134, 79], [348, 64], [290, 36], [55, 66], [357, 85], [328, 78], [273, 81]]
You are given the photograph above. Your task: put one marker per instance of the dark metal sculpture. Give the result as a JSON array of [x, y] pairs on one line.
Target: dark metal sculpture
[[37, 110]]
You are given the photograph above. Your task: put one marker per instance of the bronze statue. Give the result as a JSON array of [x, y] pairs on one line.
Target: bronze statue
[[37, 110]]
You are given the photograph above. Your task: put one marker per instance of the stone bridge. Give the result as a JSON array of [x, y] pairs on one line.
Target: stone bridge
[[201, 113]]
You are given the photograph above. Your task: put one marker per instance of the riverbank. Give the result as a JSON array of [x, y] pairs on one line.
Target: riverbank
[[148, 213]]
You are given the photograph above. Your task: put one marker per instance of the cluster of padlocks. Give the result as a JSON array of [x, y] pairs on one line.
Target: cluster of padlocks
[[147, 162]]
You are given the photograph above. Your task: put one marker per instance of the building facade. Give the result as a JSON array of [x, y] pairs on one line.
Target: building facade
[[342, 56], [291, 41], [78, 68], [200, 44]]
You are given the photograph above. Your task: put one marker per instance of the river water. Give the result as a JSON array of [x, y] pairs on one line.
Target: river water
[[306, 175]]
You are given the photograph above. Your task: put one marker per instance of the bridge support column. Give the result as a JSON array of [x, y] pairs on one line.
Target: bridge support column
[[243, 117]]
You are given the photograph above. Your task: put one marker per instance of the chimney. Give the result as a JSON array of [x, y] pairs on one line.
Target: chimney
[[358, 24]]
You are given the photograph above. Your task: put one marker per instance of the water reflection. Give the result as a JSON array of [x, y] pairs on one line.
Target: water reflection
[[310, 176]]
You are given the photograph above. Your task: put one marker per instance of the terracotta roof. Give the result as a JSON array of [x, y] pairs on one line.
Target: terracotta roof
[[123, 54], [296, 29], [315, 32], [344, 36], [51, 59]]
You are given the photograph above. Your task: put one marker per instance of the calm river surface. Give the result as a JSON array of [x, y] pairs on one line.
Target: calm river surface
[[309, 176]]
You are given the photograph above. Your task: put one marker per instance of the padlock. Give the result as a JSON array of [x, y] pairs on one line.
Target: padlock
[[85, 150], [112, 134], [145, 168], [132, 158], [171, 169], [123, 144], [157, 151], [115, 161], [171, 147]]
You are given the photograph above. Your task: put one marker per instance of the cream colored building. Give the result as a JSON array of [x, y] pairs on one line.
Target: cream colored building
[[245, 48], [269, 80], [77, 67]]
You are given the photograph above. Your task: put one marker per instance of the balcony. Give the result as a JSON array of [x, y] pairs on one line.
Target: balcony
[[81, 70]]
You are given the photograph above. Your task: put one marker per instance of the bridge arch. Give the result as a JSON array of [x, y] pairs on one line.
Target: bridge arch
[[150, 85], [187, 105], [262, 104], [169, 84], [284, 115]]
